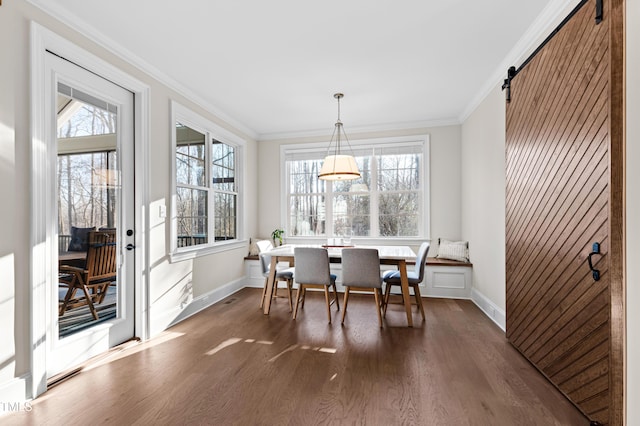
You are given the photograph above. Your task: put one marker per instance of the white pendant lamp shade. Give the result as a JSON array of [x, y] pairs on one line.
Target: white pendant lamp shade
[[338, 166]]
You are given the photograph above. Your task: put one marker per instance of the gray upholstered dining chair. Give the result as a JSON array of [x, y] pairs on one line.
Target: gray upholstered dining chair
[[282, 275], [361, 272], [312, 271], [415, 277]]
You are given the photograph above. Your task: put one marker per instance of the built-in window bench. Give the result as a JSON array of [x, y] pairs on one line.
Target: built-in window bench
[[444, 278]]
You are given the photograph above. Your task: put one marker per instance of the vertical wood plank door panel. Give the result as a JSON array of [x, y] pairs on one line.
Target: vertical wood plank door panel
[[558, 203]]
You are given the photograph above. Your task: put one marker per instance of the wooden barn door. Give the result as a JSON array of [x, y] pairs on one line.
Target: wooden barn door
[[564, 186]]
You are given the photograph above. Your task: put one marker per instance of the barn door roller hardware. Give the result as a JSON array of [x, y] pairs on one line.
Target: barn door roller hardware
[[513, 71], [598, 11]]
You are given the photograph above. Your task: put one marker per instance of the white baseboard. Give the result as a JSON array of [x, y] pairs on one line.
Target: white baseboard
[[14, 394], [490, 309], [495, 313], [208, 299]]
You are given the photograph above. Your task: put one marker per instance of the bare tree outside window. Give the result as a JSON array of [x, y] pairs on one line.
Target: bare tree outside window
[[399, 202], [386, 201], [88, 182], [192, 194], [223, 170], [307, 199], [86, 194], [88, 120], [206, 188]]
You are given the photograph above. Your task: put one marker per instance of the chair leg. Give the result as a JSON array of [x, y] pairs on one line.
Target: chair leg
[[289, 291], [90, 302], [264, 292], [335, 294], [416, 293], [304, 296], [387, 293], [377, 294], [103, 291], [299, 294], [326, 298], [67, 297], [346, 300]]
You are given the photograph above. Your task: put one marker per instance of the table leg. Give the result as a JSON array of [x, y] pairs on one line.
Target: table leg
[[404, 284], [270, 285]]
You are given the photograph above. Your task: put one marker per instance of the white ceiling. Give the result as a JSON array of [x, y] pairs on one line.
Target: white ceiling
[[272, 67]]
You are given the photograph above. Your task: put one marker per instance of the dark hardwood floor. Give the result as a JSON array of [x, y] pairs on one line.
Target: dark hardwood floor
[[230, 364]]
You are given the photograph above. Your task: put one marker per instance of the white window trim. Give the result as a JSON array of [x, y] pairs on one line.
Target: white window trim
[[197, 122], [315, 147]]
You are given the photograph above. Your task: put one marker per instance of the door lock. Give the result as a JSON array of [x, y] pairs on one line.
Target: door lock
[[131, 247]]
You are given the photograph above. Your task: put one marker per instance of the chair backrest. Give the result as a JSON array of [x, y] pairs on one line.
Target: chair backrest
[[361, 268], [264, 245], [265, 262], [421, 259], [312, 265], [101, 256]]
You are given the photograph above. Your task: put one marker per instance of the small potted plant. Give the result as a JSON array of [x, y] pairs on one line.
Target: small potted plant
[[276, 236]]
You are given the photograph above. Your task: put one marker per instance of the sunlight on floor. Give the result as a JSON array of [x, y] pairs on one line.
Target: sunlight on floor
[[234, 340], [129, 348], [304, 347]]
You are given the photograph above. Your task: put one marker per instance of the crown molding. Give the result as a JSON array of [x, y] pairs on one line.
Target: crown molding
[[548, 19], [545, 23], [378, 128], [54, 10]]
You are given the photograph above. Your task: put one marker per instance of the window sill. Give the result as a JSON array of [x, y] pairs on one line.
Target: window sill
[[195, 252]]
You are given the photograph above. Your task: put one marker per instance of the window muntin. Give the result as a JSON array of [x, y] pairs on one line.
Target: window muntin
[[223, 170], [351, 206], [307, 198], [399, 194], [388, 201], [190, 156], [87, 171], [192, 193], [80, 114], [207, 204]]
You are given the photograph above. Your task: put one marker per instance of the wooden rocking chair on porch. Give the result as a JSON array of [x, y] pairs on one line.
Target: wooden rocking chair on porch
[[95, 278]]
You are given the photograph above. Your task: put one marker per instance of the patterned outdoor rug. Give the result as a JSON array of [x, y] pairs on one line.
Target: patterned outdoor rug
[[80, 318]]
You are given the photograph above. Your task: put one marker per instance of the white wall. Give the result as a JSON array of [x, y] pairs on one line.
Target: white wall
[[170, 285], [445, 178], [7, 214], [633, 211], [483, 195], [14, 193]]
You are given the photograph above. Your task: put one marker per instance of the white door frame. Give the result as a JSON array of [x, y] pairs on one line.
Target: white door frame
[[42, 201]]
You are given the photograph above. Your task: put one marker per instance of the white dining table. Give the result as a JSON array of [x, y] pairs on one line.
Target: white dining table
[[389, 255]]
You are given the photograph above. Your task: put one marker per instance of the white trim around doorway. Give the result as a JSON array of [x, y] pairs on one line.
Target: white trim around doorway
[[43, 40]]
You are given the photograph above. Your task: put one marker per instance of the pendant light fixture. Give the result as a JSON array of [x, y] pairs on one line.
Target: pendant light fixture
[[338, 166]]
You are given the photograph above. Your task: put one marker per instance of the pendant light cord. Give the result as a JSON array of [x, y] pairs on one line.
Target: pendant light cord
[[337, 129]]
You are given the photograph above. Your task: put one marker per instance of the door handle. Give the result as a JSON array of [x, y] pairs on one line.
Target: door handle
[[131, 247], [595, 249]]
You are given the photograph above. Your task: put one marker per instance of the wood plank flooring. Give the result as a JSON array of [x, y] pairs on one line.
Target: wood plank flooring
[[232, 365]]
